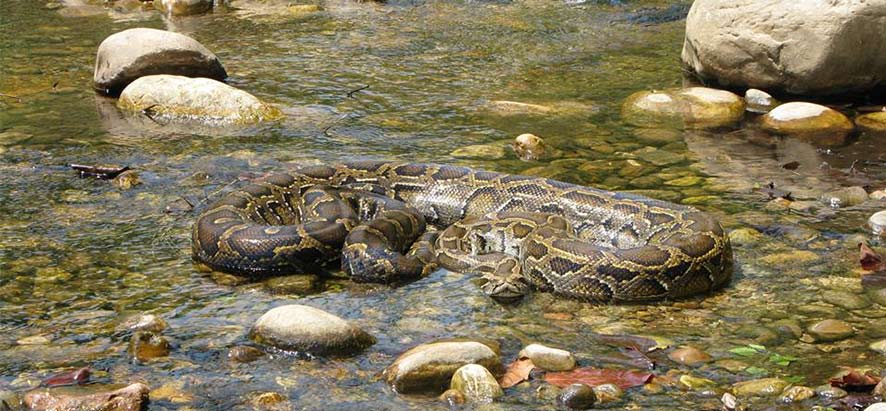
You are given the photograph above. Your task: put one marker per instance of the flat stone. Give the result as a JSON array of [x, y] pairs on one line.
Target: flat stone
[[845, 197], [790, 258], [606, 393], [430, 367], [129, 398], [244, 354], [548, 359], [694, 107], [874, 123], [307, 329], [477, 384], [301, 284], [745, 236], [830, 330], [481, 151], [145, 345], [696, 383], [847, 300], [130, 54], [830, 392], [577, 397], [183, 7], [760, 387], [689, 356], [796, 393]]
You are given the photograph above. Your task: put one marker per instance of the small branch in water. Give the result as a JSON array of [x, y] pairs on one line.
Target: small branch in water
[[351, 93], [149, 113], [11, 96], [104, 173]]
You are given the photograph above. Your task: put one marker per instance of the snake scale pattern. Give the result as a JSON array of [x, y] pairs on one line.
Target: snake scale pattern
[[393, 222]]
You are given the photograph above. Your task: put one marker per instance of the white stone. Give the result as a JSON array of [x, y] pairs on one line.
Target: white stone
[[476, 383], [710, 95], [877, 222], [307, 329], [880, 406], [547, 358], [796, 111]]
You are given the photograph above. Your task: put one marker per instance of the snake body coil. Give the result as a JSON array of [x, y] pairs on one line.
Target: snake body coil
[[379, 219]]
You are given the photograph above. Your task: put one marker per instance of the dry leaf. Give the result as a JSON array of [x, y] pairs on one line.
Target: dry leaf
[[516, 373], [851, 379], [870, 260]]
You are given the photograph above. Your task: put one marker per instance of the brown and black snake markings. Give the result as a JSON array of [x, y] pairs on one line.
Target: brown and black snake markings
[[392, 222]]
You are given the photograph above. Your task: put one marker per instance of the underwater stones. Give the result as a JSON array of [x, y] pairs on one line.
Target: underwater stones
[[430, 367], [129, 398], [818, 123], [145, 345], [476, 383], [696, 383], [874, 123], [307, 329], [760, 387], [694, 107], [529, 147], [808, 47], [302, 284], [608, 393], [577, 397], [547, 358], [183, 7], [847, 300], [758, 101], [130, 54], [145, 322], [506, 107], [830, 392], [845, 197], [877, 223], [689, 356], [830, 330], [878, 346], [244, 354], [198, 99], [481, 151], [796, 393]]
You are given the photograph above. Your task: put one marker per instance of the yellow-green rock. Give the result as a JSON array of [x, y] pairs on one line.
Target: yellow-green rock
[[694, 107], [759, 388], [874, 123], [819, 124]]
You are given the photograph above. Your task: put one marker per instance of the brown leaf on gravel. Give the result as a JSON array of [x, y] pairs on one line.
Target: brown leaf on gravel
[[851, 379], [598, 376], [516, 373], [870, 260]]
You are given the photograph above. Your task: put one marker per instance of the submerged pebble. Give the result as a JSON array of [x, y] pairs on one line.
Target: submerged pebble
[[430, 367], [830, 330], [759, 387], [796, 393], [145, 345], [689, 356], [877, 223], [577, 397], [549, 359]]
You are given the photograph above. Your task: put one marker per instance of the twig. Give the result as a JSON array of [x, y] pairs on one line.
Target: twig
[[11, 96], [351, 93]]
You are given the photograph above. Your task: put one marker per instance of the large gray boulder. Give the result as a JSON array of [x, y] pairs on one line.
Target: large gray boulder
[[817, 47], [130, 54]]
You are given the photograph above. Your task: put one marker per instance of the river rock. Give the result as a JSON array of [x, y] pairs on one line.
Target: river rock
[[758, 101], [548, 359], [690, 356], [476, 383], [183, 7], [577, 397], [845, 197], [608, 393], [480, 151], [847, 300], [805, 47], [201, 99], [796, 393], [879, 346], [877, 223], [307, 329], [880, 406], [244, 354], [830, 392], [452, 397], [819, 123], [830, 330], [759, 388], [129, 398], [695, 107], [874, 123], [430, 367], [9, 401], [302, 284], [130, 54], [529, 147], [145, 345], [145, 322]]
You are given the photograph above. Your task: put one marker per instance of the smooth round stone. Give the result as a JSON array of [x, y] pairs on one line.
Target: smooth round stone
[[830, 330], [145, 322], [194, 99], [430, 367], [548, 359], [695, 107], [874, 123], [845, 197], [183, 7], [689, 356], [529, 147], [796, 393], [801, 118], [877, 223], [452, 397], [760, 387], [696, 383], [878, 195], [847, 300], [577, 397], [880, 406], [480, 151], [476, 383], [759, 101], [127, 180], [244, 354], [144, 346], [307, 329], [608, 393], [879, 346], [830, 392]]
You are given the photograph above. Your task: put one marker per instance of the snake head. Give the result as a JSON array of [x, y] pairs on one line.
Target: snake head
[[505, 288]]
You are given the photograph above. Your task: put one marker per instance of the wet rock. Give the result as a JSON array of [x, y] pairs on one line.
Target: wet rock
[[745, 43], [730, 402], [9, 401], [129, 398], [608, 393], [878, 296], [877, 223], [172, 392], [847, 300], [130, 54], [695, 107], [33, 340], [880, 389], [452, 397], [547, 393], [796, 393], [480, 151], [145, 322], [689, 356], [829, 392], [267, 399], [183, 7], [873, 123], [529, 147], [430, 367], [307, 329], [506, 107], [548, 359], [830, 330], [476, 383], [577, 397], [244, 354], [790, 258], [745, 236], [880, 406], [878, 346], [758, 101], [302, 284], [659, 157], [127, 180], [696, 383], [733, 366], [760, 387], [203, 100], [145, 345], [821, 124], [845, 197]]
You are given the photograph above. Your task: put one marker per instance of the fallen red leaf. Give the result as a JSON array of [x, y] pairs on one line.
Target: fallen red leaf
[[870, 260], [598, 376], [73, 377], [516, 373], [851, 379]]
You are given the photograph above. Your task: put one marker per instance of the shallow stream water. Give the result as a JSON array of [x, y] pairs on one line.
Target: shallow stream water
[[78, 255]]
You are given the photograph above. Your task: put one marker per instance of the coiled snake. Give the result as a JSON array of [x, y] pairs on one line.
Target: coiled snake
[[380, 220]]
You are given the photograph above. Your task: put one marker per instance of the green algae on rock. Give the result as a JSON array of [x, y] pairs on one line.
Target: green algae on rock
[[873, 123], [694, 107], [194, 99]]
